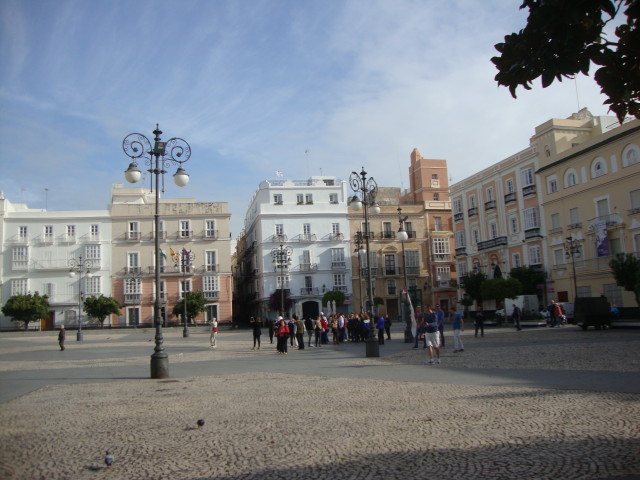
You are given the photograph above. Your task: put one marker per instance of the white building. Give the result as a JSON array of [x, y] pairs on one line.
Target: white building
[[309, 217], [37, 248]]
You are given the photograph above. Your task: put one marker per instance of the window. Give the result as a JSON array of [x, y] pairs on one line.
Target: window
[[493, 230], [335, 228], [133, 232], [570, 178], [184, 287], [459, 239], [307, 260], [48, 233], [92, 252], [20, 258], [19, 286], [279, 229], [437, 223], [547, 151], [408, 227], [277, 199], [386, 230], [440, 245], [434, 176], [92, 285], [475, 236], [443, 274], [391, 287], [95, 230], [598, 167], [306, 231], [489, 194], [339, 282], [210, 229], [50, 291], [574, 217], [630, 155], [333, 198], [282, 282], [472, 201], [185, 229], [552, 185], [534, 255], [210, 285], [516, 260], [613, 293], [337, 258], [210, 259], [531, 218], [71, 231], [635, 201], [526, 175], [132, 286], [602, 207], [365, 228], [513, 224], [436, 196], [558, 256], [133, 262], [412, 262], [308, 199], [389, 264], [462, 269], [457, 205], [22, 232], [300, 198], [509, 185], [555, 221]]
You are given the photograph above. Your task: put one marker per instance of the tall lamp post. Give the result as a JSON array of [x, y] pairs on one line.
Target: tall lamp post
[[572, 250], [281, 260], [81, 266], [402, 236], [359, 252], [367, 188], [183, 262], [157, 157]]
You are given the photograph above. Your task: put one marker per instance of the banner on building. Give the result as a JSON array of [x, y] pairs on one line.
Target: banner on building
[[602, 242]]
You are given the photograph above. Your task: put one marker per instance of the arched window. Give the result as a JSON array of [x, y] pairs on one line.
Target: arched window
[[630, 155], [598, 167], [570, 178]]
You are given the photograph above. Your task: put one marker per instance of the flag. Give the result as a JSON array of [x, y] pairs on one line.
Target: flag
[[279, 174], [173, 254], [412, 314], [163, 255]]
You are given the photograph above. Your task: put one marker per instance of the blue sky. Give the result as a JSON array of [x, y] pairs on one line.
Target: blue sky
[[306, 87]]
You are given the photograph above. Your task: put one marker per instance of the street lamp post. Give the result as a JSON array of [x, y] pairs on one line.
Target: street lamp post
[[81, 266], [402, 236], [367, 187], [157, 157], [572, 250], [281, 260], [359, 252], [183, 262]]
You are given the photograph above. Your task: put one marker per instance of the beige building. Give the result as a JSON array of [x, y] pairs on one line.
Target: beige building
[[590, 177], [200, 228]]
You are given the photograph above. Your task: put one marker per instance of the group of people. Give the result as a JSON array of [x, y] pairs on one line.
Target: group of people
[[430, 330]]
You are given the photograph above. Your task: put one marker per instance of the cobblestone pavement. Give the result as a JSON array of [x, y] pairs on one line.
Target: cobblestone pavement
[[266, 425]]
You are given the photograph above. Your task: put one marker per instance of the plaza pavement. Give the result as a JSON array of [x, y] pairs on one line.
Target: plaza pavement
[[537, 404]]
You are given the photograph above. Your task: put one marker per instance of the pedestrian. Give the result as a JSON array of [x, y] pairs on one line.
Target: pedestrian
[[387, 326], [334, 329], [380, 326], [366, 324], [341, 328], [324, 337], [457, 324], [256, 324], [479, 322], [432, 336], [291, 324], [213, 337], [61, 337], [309, 326], [516, 316], [282, 335], [272, 327], [440, 318], [421, 328], [558, 314], [552, 313], [318, 331], [299, 332]]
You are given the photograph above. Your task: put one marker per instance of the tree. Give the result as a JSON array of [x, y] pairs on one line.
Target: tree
[[27, 308], [562, 39], [334, 295], [626, 271], [101, 307], [275, 301], [472, 283], [196, 304], [501, 288], [530, 278]]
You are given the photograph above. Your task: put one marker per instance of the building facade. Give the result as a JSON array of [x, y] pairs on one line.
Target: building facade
[[295, 240], [199, 228]]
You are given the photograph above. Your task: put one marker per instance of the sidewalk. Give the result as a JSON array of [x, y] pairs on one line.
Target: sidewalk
[[541, 403]]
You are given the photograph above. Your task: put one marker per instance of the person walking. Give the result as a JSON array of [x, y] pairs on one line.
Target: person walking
[[380, 326], [256, 324], [213, 336], [292, 332], [387, 326], [282, 335], [318, 331], [61, 337], [440, 318], [420, 328], [516, 316], [272, 327], [457, 324], [479, 323], [432, 336], [309, 327], [299, 332]]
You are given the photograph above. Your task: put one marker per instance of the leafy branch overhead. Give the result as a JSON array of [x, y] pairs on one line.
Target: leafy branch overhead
[[563, 38]]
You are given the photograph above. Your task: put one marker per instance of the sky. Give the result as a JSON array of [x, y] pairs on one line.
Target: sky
[[304, 87]]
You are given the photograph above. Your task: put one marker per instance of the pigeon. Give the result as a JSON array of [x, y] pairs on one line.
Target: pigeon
[[108, 459], [200, 422]]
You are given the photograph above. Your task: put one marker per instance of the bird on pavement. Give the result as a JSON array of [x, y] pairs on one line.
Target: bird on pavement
[[200, 422], [108, 459]]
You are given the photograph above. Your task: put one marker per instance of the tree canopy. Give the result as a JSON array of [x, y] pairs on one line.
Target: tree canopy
[[501, 288], [530, 277], [563, 38], [275, 301], [101, 307], [333, 295], [27, 308], [626, 271], [472, 283], [196, 303]]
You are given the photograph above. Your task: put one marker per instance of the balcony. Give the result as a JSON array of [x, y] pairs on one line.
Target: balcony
[[50, 265], [211, 234], [387, 235], [441, 257], [20, 265], [574, 226], [132, 298], [509, 198], [211, 294], [162, 235], [212, 268], [412, 234], [185, 235], [611, 221], [309, 291], [19, 239], [134, 270], [133, 236], [528, 190], [308, 267], [413, 270], [391, 271], [458, 217], [336, 236], [340, 288], [532, 233], [338, 265], [46, 239], [555, 231], [305, 237], [472, 212], [278, 238], [461, 251], [490, 205], [493, 243], [70, 239]]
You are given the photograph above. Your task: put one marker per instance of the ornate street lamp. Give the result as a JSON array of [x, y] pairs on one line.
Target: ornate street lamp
[[572, 250], [367, 188], [402, 236], [157, 157], [281, 260], [360, 252], [183, 261], [81, 266]]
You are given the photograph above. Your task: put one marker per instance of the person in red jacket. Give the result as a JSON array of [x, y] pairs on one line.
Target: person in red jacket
[[282, 333]]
